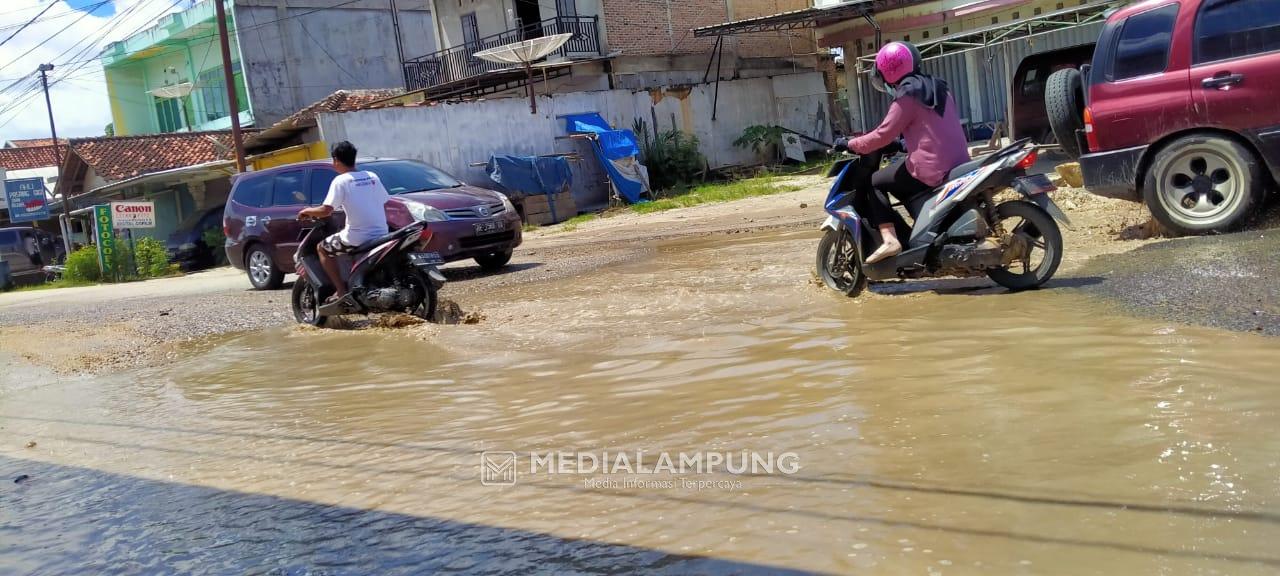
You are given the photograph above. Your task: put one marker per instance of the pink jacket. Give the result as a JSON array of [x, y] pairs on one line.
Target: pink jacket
[[935, 144]]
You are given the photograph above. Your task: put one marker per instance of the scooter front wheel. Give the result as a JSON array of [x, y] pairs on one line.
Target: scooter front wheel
[[306, 304], [427, 292], [838, 264]]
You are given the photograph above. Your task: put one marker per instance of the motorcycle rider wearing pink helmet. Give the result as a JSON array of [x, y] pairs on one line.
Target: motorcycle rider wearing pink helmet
[[924, 113]]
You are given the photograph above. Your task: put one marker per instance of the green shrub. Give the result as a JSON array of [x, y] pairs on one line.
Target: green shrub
[[671, 156], [150, 258], [762, 139], [82, 265]]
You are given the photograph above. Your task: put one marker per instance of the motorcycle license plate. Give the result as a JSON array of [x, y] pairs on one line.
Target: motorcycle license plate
[[1034, 184], [490, 226], [426, 258]]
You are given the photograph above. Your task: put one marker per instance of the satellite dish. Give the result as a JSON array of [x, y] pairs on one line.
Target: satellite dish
[[525, 53]]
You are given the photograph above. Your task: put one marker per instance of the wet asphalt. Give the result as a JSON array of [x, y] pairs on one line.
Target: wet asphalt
[[1230, 281]]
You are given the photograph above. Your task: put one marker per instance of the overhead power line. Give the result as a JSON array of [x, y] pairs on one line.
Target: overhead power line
[[88, 10], [28, 23]]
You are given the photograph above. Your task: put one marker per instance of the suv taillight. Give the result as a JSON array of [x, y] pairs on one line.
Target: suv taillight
[[1090, 137]]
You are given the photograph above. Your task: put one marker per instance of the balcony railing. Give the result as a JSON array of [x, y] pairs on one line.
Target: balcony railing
[[459, 62]]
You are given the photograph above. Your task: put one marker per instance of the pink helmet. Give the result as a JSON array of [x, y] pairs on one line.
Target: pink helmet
[[894, 61]]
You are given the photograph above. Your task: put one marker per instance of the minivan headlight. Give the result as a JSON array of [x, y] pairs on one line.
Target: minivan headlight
[[506, 202], [424, 213]]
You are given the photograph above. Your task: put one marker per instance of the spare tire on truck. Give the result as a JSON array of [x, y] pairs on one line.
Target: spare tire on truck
[[1064, 105]]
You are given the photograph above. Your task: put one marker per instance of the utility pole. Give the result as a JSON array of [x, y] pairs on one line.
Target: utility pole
[[395, 25], [230, 81], [57, 155]]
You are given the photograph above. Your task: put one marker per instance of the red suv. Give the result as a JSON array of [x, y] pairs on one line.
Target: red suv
[[1182, 110], [260, 219]]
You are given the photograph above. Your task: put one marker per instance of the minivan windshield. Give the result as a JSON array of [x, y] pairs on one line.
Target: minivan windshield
[[403, 176]]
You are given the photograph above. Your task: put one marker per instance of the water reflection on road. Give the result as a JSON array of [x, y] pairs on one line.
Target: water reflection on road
[[935, 434]]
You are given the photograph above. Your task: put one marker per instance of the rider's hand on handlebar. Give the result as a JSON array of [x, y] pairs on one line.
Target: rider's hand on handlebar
[[841, 145]]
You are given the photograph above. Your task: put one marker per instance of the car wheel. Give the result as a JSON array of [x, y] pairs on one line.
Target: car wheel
[[1203, 184], [1064, 105], [494, 260], [262, 269]]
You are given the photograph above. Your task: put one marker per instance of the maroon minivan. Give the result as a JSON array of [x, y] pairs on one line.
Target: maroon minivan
[[260, 219]]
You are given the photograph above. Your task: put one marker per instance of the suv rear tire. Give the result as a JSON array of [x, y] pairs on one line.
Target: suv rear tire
[[261, 268], [1203, 184], [1064, 105]]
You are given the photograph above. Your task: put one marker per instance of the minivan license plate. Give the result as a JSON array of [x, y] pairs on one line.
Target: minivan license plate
[[490, 226]]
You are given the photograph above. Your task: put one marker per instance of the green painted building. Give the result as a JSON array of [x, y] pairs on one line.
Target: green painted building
[[169, 78]]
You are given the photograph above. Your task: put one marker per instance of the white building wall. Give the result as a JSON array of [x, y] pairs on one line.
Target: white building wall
[[452, 136]]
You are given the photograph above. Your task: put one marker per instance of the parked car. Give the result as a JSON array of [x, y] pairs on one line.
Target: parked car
[[28, 250], [186, 245], [1178, 110], [465, 221]]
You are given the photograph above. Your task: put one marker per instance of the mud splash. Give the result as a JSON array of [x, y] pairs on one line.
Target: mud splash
[[937, 431]]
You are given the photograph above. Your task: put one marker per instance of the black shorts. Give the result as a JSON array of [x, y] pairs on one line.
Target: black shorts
[[333, 246]]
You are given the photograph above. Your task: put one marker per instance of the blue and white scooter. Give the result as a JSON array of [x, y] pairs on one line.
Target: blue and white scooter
[[959, 229]]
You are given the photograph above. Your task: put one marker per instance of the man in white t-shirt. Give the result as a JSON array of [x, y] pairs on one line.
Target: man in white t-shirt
[[361, 196]]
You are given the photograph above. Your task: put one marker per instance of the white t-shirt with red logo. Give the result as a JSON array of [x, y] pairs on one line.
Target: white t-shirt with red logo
[[361, 195]]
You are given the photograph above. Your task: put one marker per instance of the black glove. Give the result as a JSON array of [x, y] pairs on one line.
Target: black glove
[[841, 145]]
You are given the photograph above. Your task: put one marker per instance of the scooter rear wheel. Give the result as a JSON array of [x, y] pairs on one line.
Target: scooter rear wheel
[[1028, 230], [306, 304], [838, 264]]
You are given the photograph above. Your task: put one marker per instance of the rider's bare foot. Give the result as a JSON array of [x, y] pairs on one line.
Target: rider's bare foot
[[335, 298], [888, 249]]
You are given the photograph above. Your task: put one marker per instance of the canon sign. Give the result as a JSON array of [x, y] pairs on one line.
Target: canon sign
[[133, 214]]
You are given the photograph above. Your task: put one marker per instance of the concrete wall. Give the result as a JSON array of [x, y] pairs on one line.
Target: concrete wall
[[452, 136], [296, 52], [664, 26]]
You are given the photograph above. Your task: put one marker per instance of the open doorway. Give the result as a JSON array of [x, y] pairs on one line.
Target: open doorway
[[529, 15]]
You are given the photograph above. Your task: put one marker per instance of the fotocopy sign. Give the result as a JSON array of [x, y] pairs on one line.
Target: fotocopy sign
[[133, 214], [25, 200], [106, 239], [627, 469]]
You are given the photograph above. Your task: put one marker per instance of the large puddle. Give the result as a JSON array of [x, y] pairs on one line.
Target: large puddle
[[933, 433]]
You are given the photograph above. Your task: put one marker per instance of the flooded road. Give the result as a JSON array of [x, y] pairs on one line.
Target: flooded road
[[943, 431]]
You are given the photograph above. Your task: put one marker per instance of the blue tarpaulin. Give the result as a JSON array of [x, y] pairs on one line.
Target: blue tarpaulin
[[617, 151], [530, 175]]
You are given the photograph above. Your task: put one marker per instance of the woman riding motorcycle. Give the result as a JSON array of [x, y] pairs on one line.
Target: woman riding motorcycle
[[924, 113]]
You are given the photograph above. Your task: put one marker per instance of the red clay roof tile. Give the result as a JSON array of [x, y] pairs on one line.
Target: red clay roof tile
[[28, 158], [116, 158], [35, 142]]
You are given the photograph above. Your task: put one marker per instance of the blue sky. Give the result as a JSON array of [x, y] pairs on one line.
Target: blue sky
[[107, 9], [78, 89]]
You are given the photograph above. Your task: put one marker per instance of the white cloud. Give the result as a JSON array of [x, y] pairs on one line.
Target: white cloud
[[80, 104]]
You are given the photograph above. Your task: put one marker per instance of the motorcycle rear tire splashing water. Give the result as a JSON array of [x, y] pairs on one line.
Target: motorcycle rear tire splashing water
[[958, 229], [388, 274]]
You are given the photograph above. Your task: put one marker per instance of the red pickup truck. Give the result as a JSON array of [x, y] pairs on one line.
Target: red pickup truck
[[1181, 109]]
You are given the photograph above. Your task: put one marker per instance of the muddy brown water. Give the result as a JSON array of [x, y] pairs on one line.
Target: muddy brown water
[[958, 432]]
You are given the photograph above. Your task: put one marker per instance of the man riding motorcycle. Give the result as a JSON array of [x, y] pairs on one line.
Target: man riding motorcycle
[[362, 197]]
